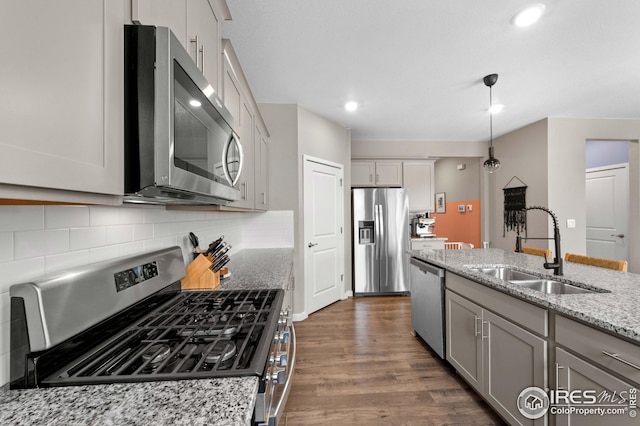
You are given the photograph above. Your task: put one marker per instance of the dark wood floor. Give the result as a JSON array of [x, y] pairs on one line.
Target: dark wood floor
[[358, 364]]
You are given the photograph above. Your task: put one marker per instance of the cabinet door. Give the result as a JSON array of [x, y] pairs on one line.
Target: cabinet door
[[464, 340], [231, 90], [261, 167], [62, 95], [163, 13], [417, 178], [513, 360], [246, 183], [389, 173], [204, 39], [363, 173], [576, 374]]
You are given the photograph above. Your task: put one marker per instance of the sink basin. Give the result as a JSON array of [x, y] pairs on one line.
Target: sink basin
[[551, 287], [531, 281], [505, 274]]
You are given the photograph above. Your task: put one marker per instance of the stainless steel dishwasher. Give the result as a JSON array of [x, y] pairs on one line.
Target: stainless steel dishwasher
[[427, 303]]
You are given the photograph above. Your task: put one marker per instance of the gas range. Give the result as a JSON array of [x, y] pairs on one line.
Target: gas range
[[128, 321]]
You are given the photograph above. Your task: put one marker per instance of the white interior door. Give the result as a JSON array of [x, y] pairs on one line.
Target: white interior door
[[323, 233], [608, 211]]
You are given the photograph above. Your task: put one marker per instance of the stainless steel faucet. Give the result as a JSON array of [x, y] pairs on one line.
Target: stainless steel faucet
[[557, 261]]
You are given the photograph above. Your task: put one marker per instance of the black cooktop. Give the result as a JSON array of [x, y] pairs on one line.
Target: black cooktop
[[200, 334]]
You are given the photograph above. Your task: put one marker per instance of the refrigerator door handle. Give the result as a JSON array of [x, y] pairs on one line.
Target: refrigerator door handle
[[376, 218]]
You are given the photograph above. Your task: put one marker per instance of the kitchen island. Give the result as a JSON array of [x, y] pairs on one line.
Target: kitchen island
[[613, 306], [515, 332], [225, 401]]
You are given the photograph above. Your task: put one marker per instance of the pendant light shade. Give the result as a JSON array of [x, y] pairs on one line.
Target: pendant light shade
[[491, 164]]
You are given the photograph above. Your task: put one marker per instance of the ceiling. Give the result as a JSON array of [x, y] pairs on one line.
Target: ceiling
[[416, 66]]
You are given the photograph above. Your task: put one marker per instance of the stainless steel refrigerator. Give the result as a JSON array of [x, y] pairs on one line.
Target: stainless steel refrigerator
[[380, 241]]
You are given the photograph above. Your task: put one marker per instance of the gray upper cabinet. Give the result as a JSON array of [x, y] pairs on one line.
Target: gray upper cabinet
[[238, 99], [418, 179], [62, 91], [376, 173], [196, 23]]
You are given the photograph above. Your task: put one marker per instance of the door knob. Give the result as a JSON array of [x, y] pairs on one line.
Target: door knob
[[618, 235], [313, 244]]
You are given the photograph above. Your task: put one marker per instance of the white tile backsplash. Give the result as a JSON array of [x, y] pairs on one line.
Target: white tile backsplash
[[21, 218], [6, 246], [39, 240], [28, 244], [65, 216]]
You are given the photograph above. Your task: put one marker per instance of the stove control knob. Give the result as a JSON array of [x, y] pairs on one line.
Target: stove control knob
[[282, 336], [280, 360], [279, 377], [283, 320]]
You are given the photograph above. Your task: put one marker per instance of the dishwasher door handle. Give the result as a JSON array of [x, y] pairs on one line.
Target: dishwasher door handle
[[427, 268]]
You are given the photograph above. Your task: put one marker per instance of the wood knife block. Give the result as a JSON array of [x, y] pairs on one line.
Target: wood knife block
[[199, 275]]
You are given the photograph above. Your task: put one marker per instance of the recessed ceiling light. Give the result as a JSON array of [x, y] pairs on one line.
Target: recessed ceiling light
[[351, 106], [528, 16], [195, 103], [495, 108]]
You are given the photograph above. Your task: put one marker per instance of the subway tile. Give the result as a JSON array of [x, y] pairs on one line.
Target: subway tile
[[130, 215], [162, 230], [142, 231], [68, 260], [104, 253], [4, 337], [40, 243], [5, 307], [88, 237], [21, 218], [131, 249], [119, 234], [65, 216], [104, 215], [4, 368], [20, 271], [6, 246]]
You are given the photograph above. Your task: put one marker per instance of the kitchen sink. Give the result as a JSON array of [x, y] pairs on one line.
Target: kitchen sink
[[551, 286], [531, 281], [505, 273]]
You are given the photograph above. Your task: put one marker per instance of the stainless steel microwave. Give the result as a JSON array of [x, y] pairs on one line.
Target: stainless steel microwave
[[180, 145]]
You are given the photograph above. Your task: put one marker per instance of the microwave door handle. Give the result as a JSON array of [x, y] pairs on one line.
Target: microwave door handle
[[233, 138]]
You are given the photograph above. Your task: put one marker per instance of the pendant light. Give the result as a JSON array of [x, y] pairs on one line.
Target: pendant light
[[491, 164]]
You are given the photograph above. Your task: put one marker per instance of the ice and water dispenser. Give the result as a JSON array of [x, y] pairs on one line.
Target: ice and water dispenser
[[366, 232]]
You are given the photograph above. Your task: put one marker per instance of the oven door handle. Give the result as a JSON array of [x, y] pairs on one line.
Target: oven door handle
[[274, 417]]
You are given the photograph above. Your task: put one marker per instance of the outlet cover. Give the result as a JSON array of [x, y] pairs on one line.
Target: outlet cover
[[469, 207], [571, 223]]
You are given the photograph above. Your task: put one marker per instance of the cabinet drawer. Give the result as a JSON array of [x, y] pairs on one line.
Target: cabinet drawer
[[595, 345], [523, 313]]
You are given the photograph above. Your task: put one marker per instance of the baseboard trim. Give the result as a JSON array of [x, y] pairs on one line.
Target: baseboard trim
[[299, 317]]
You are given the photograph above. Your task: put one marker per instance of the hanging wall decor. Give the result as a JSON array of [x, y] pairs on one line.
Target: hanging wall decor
[[515, 201]]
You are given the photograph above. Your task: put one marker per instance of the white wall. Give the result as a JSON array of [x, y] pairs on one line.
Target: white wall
[[38, 240], [567, 187], [522, 153], [417, 149], [459, 184], [295, 132]]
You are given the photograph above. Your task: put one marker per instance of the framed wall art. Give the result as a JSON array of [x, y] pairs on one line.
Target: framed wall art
[[441, 202]]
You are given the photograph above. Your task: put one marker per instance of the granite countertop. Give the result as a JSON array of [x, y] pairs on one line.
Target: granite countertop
[[614, 306], [225, 401]]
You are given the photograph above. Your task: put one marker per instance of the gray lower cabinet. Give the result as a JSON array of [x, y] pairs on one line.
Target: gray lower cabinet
[[495, 356], [575, 374]]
